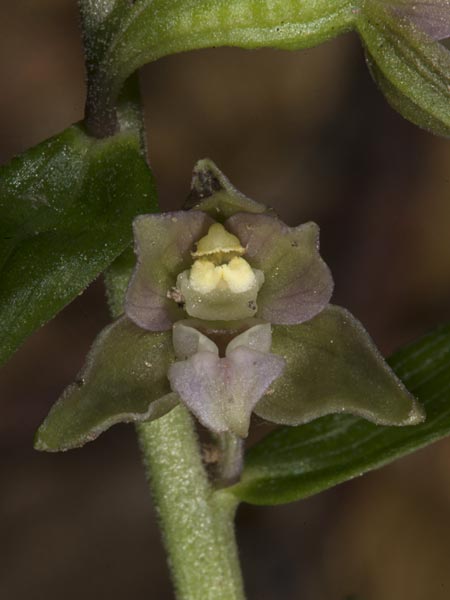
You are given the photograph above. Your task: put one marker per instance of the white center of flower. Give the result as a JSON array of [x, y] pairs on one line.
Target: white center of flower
[[237, 275], [220, 285]]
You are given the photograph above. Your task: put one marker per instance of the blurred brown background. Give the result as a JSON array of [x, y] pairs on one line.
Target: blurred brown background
[[308, 133]]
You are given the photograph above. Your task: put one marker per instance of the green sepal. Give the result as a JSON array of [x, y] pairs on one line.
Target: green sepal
[[296, 462], [213, 193], [410, 67], [124, 380], [332, 366], [66, 208]]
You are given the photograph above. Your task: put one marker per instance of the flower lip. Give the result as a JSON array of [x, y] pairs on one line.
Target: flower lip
[[222, 391], [220, 333]]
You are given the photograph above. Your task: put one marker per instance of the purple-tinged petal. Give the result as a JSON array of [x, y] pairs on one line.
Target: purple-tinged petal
[[213, 193], [162, 243], [298, 284], [431, 16], [222, 392]]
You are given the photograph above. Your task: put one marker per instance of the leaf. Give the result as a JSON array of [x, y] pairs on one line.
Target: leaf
[[334, 367], [407, 107], [124, 380], [410, 67], [66, 208], [296, 462], [157, 28]]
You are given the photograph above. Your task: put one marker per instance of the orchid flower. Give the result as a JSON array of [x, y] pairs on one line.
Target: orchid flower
[[227, 312]]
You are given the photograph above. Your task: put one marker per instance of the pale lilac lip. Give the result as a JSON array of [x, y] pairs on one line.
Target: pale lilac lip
[[223, 391]]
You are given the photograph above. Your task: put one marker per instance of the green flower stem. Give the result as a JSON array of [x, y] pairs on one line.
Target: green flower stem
[[231, 458], [196, 521]]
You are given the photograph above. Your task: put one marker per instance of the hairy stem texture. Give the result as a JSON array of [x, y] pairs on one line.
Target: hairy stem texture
[[196, 521]]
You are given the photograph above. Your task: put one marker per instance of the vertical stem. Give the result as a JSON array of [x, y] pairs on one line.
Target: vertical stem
[[98, 20], [231, 452], [196, 521]]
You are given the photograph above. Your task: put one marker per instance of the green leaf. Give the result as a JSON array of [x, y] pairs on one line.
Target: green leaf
[[156, 28], [410, 67], [332, 366], [407, 107], [66, 208], [296, 462], [124, 380]]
